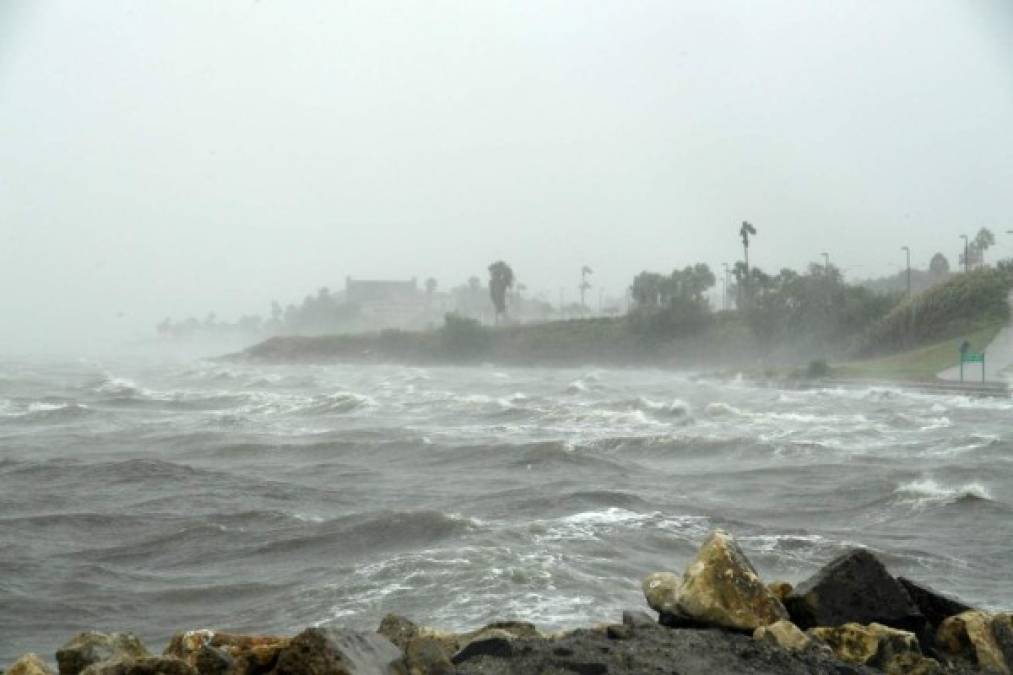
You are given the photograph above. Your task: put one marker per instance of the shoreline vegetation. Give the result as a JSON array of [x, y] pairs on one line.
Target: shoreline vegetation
[[850, 617], [776, 339]]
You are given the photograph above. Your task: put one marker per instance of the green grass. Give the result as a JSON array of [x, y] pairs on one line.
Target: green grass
[[920, 364]]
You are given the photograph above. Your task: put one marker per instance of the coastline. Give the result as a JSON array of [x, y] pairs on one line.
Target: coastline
[[718, 616]]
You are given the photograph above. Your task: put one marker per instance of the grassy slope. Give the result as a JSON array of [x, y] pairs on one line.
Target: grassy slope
[[918, 364]]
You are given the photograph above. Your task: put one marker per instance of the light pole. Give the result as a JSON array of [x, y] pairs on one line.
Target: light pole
[[907, 250], [724, 288], [826, 261], [967, 262]]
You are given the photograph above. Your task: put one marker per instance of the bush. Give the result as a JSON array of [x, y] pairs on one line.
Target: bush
[[950, 309], [463, 337], [817, 368]]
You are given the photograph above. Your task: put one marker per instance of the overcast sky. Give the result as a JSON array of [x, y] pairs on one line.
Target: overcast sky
[[176, 158]]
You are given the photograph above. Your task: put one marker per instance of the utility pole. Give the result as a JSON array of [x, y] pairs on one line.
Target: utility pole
[[907, 250], [967, 261], [826, 262]]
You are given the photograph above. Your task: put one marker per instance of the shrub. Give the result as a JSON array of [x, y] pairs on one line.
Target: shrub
[[463, 337], [944, 311]]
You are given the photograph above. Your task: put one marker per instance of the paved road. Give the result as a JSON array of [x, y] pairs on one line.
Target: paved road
[[998, 359]]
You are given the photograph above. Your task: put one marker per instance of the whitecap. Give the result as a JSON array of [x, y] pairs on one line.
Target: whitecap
[[925, 491]]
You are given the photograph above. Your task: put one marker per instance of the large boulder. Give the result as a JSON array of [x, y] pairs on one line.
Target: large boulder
[[213, 651], [146, 665], [721, 588], [29, 664], [853, 588], [980, 638], [336, 651], [877, 646], [85, 649], [934, 606]]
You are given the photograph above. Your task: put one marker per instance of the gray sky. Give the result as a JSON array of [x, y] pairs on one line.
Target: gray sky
[[173, 158]]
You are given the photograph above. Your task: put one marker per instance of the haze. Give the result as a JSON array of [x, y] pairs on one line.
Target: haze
[[172, 159]]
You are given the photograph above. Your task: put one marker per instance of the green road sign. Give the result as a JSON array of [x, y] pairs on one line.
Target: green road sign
[[967, 356]]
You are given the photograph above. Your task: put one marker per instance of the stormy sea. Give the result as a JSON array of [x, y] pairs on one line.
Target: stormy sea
[[160, 495]]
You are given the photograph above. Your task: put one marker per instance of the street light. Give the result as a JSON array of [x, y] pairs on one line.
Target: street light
[[908, 251], [724, 288], [966, 261], [826, 261]]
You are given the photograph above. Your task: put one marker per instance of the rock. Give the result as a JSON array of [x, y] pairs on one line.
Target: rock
[[654, 649], [1002, 631], [214, 661], [250, 654], [635, 617], [398, 629], [619, 631], [145, 665], [780, 589], [784, 634], [85, 649], [336, 651], [661, 589], [720, 587], [874, 645], [853, 588], [488, 644], [425, 655], [29, 664], [935, 606], [980, 638]]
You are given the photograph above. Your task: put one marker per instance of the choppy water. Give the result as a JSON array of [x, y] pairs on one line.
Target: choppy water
[[161, 497]]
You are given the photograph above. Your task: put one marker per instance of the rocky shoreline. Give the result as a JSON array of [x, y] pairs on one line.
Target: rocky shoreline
[[851, 617]]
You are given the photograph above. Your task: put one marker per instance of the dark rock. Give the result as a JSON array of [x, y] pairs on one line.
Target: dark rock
[[619, 631], [214, 661], [853, 588], [85, 649], [655, 650], [678, 620], [336, 651], [935, 606], [635, 617], [147, 665], [1002, 631], [501, 647]]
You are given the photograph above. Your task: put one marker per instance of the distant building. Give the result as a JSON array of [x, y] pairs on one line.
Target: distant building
[[387, 304]]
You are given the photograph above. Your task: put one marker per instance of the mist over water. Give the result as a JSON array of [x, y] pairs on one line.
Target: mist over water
[[156, 496]]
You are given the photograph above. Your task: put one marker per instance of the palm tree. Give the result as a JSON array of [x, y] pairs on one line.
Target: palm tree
[[744, 232], [501, 279], [982, 241]]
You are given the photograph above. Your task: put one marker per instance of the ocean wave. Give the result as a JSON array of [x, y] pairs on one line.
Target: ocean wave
[[47, 411], [674, 408], [925, 491], [368, 533], [588, 525], [338, 402], [119, 387]]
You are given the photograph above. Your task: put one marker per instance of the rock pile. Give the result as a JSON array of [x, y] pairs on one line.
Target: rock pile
[[851, 617]]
